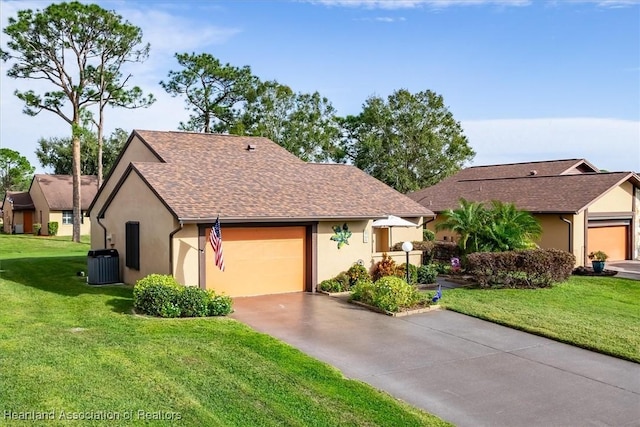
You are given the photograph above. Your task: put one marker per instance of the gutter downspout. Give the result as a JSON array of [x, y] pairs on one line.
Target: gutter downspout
[[103, 228], [171, 245], [570, 232]]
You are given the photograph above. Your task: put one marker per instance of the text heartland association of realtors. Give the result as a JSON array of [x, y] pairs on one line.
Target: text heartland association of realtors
[[53, 415]]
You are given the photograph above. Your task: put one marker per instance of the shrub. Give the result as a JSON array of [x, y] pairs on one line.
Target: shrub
[[193, 302], [52, 228], [401, 272], [443, 267], [330, 285], [363, 291], [385, 267], [219, 305], [357, 272], [161, 295], [389, 293], [36, 228], [444, 251], [428, 235], [427, 273], [343, 279], [157, 295], [534, 268]]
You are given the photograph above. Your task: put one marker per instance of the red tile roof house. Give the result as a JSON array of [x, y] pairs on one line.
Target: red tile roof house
[[580, 208], [49, 199], [276, 211]]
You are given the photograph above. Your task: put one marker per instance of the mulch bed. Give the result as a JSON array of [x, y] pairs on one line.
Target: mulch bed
[[588, 271]]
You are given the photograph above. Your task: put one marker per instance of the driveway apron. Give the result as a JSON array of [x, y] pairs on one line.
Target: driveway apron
[[465, 370]]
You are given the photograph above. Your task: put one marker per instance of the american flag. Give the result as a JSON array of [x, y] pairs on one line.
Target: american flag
[[215, 238]]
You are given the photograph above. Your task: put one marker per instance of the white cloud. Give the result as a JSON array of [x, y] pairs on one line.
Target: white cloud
[[610, 144]]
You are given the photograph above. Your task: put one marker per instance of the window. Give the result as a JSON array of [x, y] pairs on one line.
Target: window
[[132, 244], [67, 217]]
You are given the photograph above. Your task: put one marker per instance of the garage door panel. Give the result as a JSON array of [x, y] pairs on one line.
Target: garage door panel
[[259, 261], [613, 240]]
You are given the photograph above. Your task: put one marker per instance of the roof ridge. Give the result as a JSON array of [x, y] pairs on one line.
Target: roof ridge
[[541, 176], [526, 163]]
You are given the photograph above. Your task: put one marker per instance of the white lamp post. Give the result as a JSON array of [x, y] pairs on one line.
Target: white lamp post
[[407, 247]]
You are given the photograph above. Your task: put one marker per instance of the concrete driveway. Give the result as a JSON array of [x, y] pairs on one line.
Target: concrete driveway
[[465, 370], [626, 269]]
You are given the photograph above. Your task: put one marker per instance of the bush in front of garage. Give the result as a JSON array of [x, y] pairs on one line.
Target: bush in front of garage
[[162, 296]]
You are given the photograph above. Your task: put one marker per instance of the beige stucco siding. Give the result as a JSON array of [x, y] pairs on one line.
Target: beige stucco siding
[[186, 255], [135, 202], [332, 260], [442, 234], [66, 229], [42, 212], [136, 151], [618, 199], [555, 232], [579, 238]]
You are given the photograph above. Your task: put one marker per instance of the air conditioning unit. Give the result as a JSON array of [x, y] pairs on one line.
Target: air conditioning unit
[[18, 229]]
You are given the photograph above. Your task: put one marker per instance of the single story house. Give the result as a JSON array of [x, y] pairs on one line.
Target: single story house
[[580, 208], [17, 212], [49, 199], [278, 214]]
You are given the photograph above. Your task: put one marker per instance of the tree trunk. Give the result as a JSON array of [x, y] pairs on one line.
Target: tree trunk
[[100, 144], [77, 208]]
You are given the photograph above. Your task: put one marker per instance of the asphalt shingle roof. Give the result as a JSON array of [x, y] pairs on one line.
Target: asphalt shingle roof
[[21, 200], [205, 175], [58, 190], [565, 192]]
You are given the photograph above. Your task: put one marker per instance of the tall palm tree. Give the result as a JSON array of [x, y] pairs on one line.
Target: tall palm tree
[[511, 228], [502, 227], [469, 221]]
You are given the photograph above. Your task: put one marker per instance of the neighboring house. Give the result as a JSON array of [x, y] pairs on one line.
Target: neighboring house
[[580, 208], [277, 212], [17, 212], [49, 199]]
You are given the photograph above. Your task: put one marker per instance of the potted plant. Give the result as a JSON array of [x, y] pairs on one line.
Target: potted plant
[[597, 260]]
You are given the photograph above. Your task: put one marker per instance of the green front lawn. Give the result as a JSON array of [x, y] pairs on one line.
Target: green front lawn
[[597, 313], [77, 350]]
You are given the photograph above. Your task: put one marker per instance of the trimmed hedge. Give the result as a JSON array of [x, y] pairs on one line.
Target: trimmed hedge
[[534, 268], [162, 296], [418, 245], [388, 293]]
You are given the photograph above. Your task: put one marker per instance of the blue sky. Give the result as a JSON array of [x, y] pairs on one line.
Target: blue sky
[[528, 80]]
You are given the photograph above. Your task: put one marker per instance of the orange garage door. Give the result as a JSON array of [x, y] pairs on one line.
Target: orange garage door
[[612, 240], [258, 261]]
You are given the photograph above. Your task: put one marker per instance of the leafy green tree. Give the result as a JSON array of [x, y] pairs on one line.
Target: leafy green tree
[[16, 172], [409, 142], [304, 124], [56, 152], [213, 91], [71, 45]]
